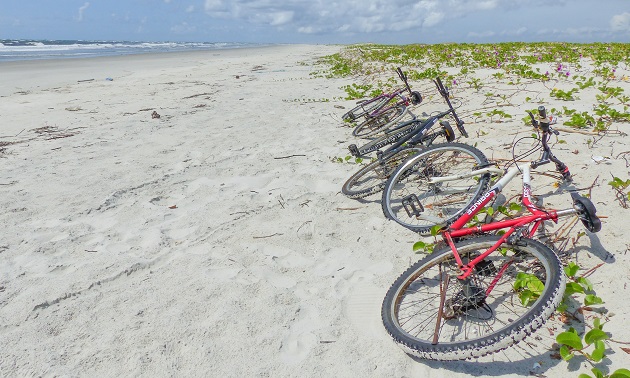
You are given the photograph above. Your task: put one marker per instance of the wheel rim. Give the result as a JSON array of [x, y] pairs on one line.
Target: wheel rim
[[373, 179], [416, 305], [438, 203], [375, 124]]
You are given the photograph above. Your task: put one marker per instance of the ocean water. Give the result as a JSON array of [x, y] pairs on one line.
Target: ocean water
[[23, 49]]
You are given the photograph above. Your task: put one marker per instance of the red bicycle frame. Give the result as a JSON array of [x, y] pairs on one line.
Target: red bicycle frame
[[536, 218]]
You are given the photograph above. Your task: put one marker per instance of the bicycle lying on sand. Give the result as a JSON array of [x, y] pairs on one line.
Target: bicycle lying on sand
[[381, 112], [404, 140], [477, 293]]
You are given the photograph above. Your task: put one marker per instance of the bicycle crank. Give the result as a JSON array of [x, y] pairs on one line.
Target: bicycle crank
[[469, 298]]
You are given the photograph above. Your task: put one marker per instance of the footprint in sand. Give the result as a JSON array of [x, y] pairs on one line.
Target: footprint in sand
[[363, 308], [297, 345]]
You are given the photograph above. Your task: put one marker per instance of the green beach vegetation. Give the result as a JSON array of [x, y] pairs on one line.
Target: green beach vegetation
[[567, 69]]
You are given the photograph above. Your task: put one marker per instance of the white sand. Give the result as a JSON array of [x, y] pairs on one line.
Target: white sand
[[214, 240]]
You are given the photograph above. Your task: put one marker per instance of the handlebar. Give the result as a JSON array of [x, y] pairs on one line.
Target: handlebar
[[415, 97], [544, 123], [445, 94]]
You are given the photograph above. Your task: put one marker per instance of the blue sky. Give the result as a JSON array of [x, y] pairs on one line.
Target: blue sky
[[318, 21]]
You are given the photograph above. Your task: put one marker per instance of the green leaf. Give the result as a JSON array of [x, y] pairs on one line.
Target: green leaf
[[526, 296], [571, 269], [586, 284], [598, 373], [597, 324], [598, 353], [565, 354], [572, 288], [591, 299], [584, 376], [570, 339], [595, 335], [420, 245], [620, 373], [535, 285], [435, 230]]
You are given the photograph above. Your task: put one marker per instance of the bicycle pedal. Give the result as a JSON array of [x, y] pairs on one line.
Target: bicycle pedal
[[586, 212], [412, 205], [354, 150]]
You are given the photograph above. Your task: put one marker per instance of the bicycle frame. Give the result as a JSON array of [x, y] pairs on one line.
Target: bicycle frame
[[390, 96], [416, 134], [535, 219]]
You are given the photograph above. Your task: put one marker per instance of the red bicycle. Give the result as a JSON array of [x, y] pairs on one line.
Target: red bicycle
[[479, 292]]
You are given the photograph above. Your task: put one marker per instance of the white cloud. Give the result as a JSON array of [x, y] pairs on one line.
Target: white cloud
[[484, 34], [81, 10], [433, 18], [519, 31], [620, 22], [190, 9], [351, 17]]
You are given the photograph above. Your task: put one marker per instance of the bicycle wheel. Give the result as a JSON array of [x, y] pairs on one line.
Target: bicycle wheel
[[413, 201], [480, 315], [365, 107], [371, 178], [380, 122]]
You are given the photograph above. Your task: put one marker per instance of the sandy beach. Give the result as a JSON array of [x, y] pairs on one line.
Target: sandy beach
[[185, 218]]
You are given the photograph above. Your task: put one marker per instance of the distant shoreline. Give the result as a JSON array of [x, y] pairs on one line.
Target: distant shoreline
[[24, 76], [28, 49]]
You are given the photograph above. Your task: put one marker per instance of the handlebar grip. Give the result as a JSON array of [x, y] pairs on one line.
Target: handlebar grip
[[542, 112]]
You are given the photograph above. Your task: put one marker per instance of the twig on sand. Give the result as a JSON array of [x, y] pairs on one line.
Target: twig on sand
[[590, 271], [198, 95], [302, 225], [623, 156], [267, 236], [289, 156], [566, 130], [12, 136], [349, 208]]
